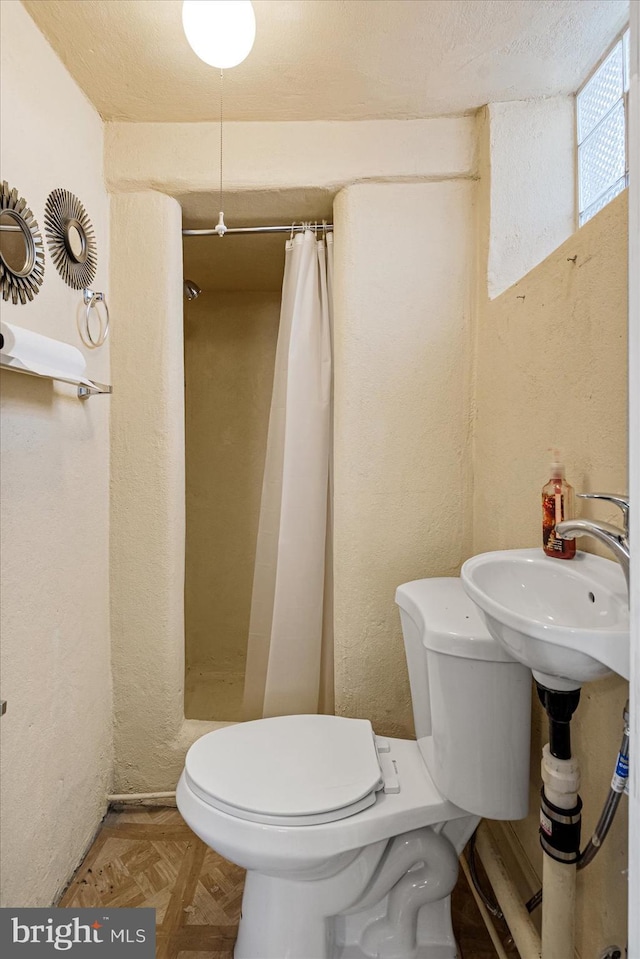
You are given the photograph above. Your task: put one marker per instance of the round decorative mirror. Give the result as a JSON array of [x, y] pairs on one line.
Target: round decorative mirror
[[21, 248], [71, 239]]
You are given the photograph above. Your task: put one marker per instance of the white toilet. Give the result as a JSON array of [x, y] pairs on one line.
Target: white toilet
[[351, 841]]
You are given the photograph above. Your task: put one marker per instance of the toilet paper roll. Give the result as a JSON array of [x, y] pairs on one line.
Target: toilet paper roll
[[34, 353]]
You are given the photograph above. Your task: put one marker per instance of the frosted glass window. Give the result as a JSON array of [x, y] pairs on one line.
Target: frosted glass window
[[602, 156], [601, 92], [602, 201], [601, 121]]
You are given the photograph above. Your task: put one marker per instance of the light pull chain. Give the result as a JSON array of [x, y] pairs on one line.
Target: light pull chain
[[221, 228]]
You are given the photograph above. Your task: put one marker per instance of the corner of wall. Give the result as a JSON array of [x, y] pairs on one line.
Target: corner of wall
[[482, 232]]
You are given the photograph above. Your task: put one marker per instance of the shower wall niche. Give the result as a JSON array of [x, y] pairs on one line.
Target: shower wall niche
[[230, 342]]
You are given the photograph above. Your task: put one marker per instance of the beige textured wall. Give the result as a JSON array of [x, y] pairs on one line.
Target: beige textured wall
[[147, 494], [403, 305], [56, 735], [230, 342], [552, 370]]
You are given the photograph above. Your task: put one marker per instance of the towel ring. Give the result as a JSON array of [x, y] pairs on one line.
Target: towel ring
[[92, 300]]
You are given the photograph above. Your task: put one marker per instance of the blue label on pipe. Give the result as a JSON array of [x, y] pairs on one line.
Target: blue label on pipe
[[622, 766], [620, 780]]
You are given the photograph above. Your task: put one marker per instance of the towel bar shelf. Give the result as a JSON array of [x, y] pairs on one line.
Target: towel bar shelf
[[86, 387]]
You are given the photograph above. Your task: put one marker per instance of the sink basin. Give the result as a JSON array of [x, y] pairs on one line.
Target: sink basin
[[567, 620]]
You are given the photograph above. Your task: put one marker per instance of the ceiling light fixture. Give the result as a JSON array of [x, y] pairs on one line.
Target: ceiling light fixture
[[220, 32]]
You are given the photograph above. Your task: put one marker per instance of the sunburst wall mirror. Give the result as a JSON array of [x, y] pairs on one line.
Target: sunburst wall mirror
[[71, 239], [21, 248]]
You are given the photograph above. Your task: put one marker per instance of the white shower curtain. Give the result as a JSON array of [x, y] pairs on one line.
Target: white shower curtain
[[290, 650]]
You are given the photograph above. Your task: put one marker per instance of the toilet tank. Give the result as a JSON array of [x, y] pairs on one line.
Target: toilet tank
[[471, 701]]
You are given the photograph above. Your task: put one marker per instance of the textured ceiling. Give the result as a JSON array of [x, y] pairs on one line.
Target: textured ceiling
[[331, 59]]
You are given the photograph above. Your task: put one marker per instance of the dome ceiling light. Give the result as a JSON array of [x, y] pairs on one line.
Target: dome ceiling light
[[220, 32]]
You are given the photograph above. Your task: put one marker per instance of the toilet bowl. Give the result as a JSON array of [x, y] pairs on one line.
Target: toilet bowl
[[350, 840]]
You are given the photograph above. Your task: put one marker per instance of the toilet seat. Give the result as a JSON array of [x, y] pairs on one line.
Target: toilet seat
[[279, 847], [290, 770]]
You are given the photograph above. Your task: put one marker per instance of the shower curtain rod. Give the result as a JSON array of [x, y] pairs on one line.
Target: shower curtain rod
[[296, 228]]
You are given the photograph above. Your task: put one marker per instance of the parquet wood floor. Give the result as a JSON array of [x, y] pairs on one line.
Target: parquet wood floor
[[150, 857]]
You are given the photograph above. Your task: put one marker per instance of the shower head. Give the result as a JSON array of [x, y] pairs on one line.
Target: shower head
[[191, 290]]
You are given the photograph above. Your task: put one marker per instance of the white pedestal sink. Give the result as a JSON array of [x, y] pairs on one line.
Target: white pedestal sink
[[567, 620]]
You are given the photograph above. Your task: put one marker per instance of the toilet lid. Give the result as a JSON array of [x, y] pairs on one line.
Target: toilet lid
[[288, 770]]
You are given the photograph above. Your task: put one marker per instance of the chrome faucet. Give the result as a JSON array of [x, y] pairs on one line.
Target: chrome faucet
[[616, 539]]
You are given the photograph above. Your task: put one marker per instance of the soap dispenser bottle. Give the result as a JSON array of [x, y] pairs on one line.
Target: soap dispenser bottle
[[557, 505]]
